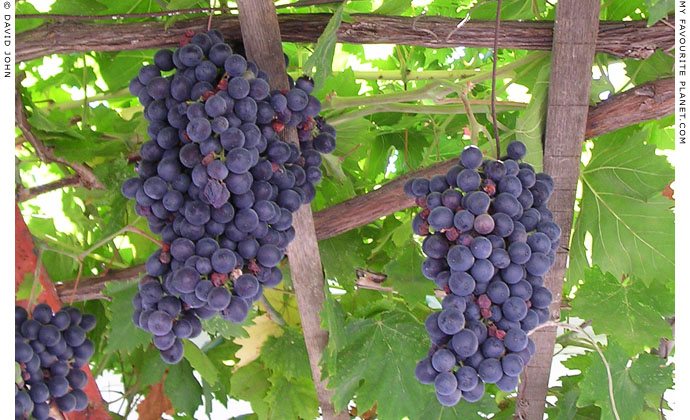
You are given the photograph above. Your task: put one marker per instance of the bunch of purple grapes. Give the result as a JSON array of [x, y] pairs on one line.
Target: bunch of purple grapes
[[218, 184], [50, 349], [489, 240]]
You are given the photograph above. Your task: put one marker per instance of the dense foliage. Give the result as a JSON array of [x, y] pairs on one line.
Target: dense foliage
[[395, 113]]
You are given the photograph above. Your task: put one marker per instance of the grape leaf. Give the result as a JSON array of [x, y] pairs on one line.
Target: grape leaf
[[393, 7], [630, 384], [630, 223], [322, 57], [375, 363], [634, 321], [26, 8], [530, 125], [229, 330], [250, 383], [149, 366], [123, 335], [332, 320], [292, 398], [405, 275], [339, 256], [287, 355], [659, 9], [200, 362], [118, 68], [250, 349], [182, 388], [80, 7]]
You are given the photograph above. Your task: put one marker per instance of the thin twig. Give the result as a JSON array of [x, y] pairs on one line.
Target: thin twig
[[210, 16], [24, 194], [493, 80], [76, 282]]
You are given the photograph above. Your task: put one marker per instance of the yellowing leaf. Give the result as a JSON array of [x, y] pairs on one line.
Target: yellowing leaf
[[258, 333]]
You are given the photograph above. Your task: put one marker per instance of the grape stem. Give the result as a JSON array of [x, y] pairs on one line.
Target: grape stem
[[493, 80], [598, 349]]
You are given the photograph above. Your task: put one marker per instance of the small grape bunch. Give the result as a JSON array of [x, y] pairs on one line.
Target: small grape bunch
[[489, 239], [50, 349]]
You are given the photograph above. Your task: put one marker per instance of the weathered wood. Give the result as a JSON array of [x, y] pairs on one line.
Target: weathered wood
[[621, 39], [574, 45], [262, 43], [645, 102]]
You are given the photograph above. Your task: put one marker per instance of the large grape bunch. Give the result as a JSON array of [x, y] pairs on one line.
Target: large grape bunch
[[218, 184], [489, 240], [50, 349]]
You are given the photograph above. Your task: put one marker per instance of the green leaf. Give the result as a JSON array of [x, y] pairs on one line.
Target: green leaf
[[287, 355], [200, 362], [393, 7], [149, 366], [182, 388], [118, 68], [530, 125], [376, 365], [659, 9], [631, 225], [630, 383], [229, 330], [333, 320], [339, 256], [652, 68], [405, 275], [322, 57], [634, 321], [26, 8], [124, 336], [78, 7], [250, 383], [183, 4], [401, 235], [292, 399]]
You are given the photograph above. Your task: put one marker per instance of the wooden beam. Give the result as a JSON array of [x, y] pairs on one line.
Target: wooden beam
[[621, 39], [574, 45], [262, 43]]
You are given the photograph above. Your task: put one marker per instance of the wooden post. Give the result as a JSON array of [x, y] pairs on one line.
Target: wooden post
[[262, 42], [574, 42]]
